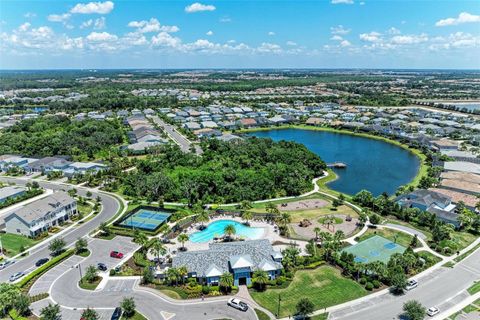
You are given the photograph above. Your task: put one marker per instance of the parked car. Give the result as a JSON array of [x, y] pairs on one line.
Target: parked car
[[102, 266], [412, 284], [117, 313], [237, 304], [116, 254], [432, 311], [5, 264], [41, 261], [16, 276]]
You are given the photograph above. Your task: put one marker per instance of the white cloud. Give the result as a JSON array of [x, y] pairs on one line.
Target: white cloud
[[339, 30], [393, 30], [409, 39], [267, 47], [101, 36], [370, 37], [458, 40], [336, 38], [29, 15], [99, 23], [342, 1], [24, 27], [291, 43], [164, 39], [198, 7], [134, 39], [152, 25], [225, 19], [362, 3], [345, 43], [463, 17], [86, 24], [59, 17], [209, 33], [271, 33], [93, 7]]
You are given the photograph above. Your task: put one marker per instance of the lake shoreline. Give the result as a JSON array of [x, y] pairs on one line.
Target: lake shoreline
[[422, 167]]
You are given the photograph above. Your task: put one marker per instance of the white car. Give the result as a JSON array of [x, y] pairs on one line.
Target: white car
[[5, 264], [432, 311], [16, 276], [237, 304], [412, 284]]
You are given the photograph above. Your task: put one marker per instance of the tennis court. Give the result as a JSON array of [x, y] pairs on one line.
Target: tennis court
[[376, 248], [145, 219]]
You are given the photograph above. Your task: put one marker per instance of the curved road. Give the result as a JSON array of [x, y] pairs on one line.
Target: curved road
[[110, 206]]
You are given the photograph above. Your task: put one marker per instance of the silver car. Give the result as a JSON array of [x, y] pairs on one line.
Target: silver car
[[237, 304], [5, 264], [16, 276]]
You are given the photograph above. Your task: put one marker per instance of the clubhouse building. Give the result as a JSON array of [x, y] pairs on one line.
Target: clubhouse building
[[240, 258]]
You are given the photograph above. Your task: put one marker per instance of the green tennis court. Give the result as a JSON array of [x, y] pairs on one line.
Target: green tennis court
[[376, 248]]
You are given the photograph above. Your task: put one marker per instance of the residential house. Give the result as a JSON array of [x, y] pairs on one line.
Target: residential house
[[37, 217], [11, 192]]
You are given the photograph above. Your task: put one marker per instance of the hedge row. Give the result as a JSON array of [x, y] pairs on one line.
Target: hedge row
[[29, 279]]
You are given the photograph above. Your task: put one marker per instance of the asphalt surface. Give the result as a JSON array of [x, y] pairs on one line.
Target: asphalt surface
[[443, 288], [110, 206], [179, 139], [64, 290]]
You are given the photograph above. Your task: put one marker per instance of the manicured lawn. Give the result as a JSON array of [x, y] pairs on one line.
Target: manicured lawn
[[474, 288], [84, 209], [90, 285], [323, 316], [325, 287], [136, 316], [261, 315], [171, 294], [402, 238], [466, 254], [85, 253], [13, 242]]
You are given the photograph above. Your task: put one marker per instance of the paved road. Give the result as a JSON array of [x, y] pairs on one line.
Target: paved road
[[64, 290], [442, 288], [110, 206], [178, 138]]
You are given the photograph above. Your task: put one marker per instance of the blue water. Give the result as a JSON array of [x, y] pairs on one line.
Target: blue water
[[373, 165], [215, 229]]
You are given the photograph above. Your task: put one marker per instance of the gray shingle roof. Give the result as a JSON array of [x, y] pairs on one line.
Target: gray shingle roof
[[221, 255]]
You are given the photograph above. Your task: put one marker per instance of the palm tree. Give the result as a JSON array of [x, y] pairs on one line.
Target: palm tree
[[247, 215], [202, 217], [272, 209], [285, 218], [317, 230], [245, 205], [172, 275], [182, 273], [229, 230], [260, 278], [226, 281], [140, 238], [105, 228], [182, 238], [157, 249]]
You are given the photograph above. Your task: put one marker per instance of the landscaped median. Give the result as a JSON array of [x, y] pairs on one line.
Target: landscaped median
[[29, 279]]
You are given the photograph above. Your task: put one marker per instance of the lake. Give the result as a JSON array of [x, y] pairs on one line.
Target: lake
[[374, 165]]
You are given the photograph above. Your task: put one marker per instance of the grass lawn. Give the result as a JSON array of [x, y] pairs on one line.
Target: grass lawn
[[403, 239], [90, 285], [12, 243], [466, 254], [470, 308], [136, 316], [325, 287], [84, 209], [474, 288], [261, 315], [85, 253], [171, 294], [323, 316]]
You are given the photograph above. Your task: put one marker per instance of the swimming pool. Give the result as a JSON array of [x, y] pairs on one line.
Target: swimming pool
[[215, 229]]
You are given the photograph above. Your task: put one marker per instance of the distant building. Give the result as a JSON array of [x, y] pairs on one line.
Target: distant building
[[38, 216], [11, 192], [431, 201]]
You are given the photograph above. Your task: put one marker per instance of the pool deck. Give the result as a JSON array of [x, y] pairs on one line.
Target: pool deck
[[268, 233]]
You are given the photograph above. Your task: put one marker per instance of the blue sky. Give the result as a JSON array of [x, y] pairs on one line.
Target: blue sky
[[240, 34]]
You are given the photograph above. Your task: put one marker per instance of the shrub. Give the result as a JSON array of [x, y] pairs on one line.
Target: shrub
[[376, 284], [369, 286], [362, 281], [280, 280], [112, 272], [205, 289], [314, 265]]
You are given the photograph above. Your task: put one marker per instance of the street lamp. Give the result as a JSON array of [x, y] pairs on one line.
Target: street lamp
[[79, 267]]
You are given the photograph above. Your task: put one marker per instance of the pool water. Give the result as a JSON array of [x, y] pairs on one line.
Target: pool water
[[215, 229]]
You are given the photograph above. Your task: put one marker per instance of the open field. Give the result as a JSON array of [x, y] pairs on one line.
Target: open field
[[12, 243], [325, 287]]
